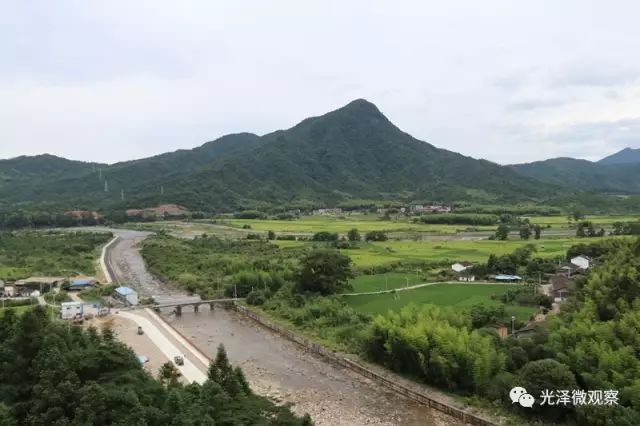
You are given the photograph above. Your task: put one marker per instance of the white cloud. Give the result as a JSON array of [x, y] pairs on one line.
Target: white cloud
[[116, 80]]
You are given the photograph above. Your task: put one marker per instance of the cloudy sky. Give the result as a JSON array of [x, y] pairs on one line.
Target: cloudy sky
[[501, 80]]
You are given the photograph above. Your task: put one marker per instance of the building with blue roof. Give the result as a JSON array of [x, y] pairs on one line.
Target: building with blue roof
[[81, 283], [127, 295], [505, 277]]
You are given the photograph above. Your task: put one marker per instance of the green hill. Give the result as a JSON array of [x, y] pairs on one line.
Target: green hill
[[625, 156], [584, 175], [351, 153]]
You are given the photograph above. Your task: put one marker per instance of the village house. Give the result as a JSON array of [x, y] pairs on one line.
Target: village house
[[127, 295], [73, 310], [461, 266], [78, 284], [560, 287], [432, 208], [28, 286], [582, 262], [327, 211]]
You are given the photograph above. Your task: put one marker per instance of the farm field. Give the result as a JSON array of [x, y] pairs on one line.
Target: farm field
[[363, 223], [388, 281], [459, 296], [603, 220], [380, 253]]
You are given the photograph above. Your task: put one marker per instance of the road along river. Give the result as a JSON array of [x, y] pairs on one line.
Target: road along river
[[274, 366]]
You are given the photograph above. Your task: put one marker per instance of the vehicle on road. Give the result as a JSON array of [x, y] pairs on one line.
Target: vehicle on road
[[178, 360], [140, 331]]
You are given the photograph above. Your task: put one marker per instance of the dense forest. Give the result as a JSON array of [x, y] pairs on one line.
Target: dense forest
[[53, 374]]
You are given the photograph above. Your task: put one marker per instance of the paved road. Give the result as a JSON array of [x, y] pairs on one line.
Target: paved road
[[170, 344]]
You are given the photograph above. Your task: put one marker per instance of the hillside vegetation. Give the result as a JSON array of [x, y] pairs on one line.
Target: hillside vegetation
[[352, 153]]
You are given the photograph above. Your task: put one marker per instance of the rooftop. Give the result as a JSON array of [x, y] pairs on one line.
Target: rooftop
[[125, 291]]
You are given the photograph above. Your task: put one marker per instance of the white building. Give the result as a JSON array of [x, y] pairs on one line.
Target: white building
[[9, 291], [582, 262], [71, 310], [127, 295], [467, 278], [461, 266]]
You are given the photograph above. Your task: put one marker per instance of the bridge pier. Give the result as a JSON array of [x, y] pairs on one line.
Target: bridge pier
[[211, 305], [178, 310], [195, 308]]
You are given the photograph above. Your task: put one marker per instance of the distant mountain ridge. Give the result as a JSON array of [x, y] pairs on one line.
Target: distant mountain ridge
[[574, 174], [625, 156], [350, 154]]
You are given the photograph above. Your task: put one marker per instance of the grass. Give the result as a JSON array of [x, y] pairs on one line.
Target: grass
[[363, 223], [602, 220], [388, 281], [380, 253], [386, 252], [460, 296]]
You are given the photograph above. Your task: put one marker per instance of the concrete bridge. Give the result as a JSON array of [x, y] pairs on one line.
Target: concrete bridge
[[195, 304]]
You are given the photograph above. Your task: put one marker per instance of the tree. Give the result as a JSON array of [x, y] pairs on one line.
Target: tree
[[547, 375], [502, 233], [325, 236], [324, 272], [576, 214], [353, 235], [375, 236], [525, 232], [537, 231], [271, 235], [168, 375]]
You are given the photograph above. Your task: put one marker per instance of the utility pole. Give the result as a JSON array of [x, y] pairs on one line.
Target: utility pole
[[106, 186], [100, 173], [513, 322], [122, 195]]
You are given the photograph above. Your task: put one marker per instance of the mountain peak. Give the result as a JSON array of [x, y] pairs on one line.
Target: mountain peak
[[361, 106], [624, 156]]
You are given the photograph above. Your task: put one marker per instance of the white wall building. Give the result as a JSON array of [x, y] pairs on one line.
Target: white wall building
[[582, 262], [461, 266], [71, 310]]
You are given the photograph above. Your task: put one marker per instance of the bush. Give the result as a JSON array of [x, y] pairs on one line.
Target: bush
[[376, 236], [325, 236], [257, 297]]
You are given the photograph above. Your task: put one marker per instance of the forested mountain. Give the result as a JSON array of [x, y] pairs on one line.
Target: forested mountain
[[37, 169], [354, 152], [583, 175], [625, 156]]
